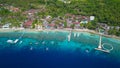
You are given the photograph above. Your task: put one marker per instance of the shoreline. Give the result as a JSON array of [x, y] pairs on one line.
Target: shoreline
[[74, 30], [94, 32]]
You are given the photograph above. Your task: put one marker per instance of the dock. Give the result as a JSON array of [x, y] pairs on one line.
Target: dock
[[107, 51]]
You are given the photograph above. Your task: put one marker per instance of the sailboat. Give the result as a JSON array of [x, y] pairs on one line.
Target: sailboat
[[100, 46]]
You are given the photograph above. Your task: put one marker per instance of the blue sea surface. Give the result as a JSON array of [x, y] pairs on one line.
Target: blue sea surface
[[51, 49]]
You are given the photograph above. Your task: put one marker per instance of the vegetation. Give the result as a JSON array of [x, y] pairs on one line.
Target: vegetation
[[105, 11], [114, 32]]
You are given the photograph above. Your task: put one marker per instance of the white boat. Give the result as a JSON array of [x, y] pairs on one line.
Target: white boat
[[31, 48], [15, 41], [78, 35], [69, 36], [20, 42], [52, 42], [43, 42], [74, 34], [10, 41]]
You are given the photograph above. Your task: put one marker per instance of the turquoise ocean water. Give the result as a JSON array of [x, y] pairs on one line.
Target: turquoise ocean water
[[51, 49]]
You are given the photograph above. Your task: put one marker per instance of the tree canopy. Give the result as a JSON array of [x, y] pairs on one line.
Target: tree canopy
[[105, 11]]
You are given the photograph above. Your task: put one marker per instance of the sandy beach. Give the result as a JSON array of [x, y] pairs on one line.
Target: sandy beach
[[38, 30]]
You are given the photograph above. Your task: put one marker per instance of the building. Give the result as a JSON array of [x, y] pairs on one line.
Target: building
[[77, 25], [84, 22], [6, 26], [92, 18], [51, 25], [28, 24], [13, 9]]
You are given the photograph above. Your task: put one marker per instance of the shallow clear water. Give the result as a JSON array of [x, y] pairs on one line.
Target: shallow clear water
[[53, 50]]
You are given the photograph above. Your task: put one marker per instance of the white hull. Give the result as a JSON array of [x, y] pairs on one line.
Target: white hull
[[74, 34], [16, 40]]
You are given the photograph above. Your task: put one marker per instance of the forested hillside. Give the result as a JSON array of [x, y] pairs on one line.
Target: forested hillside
[[105, 11]]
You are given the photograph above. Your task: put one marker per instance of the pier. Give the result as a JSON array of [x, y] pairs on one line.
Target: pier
[[101, 46]]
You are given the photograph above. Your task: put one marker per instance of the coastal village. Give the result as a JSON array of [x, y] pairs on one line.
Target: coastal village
[[33, 20], [59, 33]]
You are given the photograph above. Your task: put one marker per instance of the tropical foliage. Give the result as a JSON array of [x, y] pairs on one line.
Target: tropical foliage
[[105, 11]]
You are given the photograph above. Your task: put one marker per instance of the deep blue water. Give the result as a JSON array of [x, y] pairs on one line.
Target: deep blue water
[[52, 50]]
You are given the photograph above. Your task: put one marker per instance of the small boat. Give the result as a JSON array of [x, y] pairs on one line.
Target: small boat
[[31, 48], [15, 41], [47, 49], [20, 42], [52, 42], [69, 36], [78, 35], [43, 42], [12, 42], [74, 34]]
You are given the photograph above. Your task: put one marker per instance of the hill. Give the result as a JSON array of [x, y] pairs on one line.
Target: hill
[[105, 11]]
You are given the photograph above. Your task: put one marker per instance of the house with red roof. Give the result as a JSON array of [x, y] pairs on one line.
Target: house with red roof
[[28, 24], [51, 25], [77, 24]]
